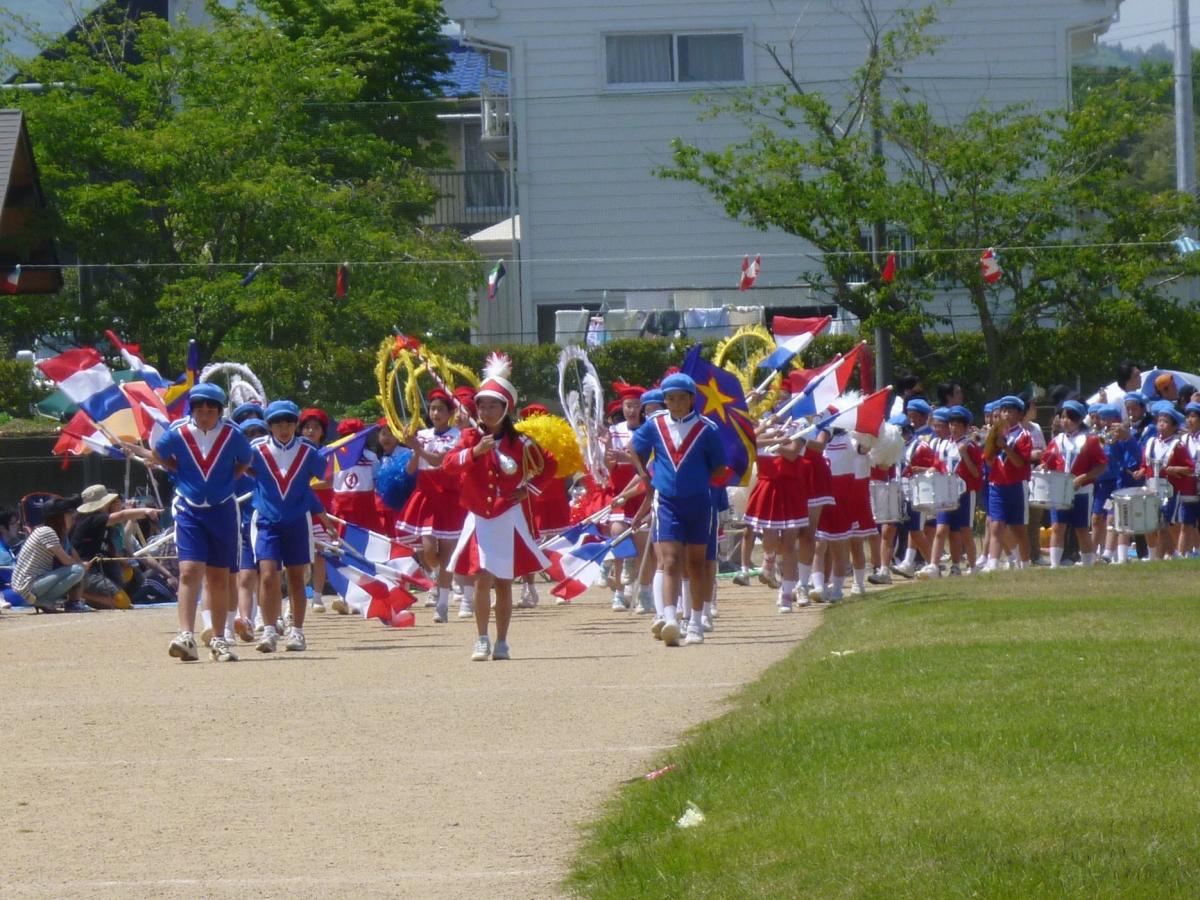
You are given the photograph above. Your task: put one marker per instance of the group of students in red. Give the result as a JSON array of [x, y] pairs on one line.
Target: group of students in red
[[812, 502]]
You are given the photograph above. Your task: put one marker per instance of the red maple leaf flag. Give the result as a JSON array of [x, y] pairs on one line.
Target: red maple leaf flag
[[750, 272], [989, 266]]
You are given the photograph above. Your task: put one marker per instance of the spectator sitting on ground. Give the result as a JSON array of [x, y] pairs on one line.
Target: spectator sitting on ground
[[10, 532], [36, 577], [95, 535]]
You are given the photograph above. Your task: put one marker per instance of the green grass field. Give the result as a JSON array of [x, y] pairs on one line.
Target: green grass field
[[1027, 734]]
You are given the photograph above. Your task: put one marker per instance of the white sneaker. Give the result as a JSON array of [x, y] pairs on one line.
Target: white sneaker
[[220, 651], [206, 635], [526, 602], [645, 606], [858, 590], [656, 628], [706, 623], [881, 576], [340, 606], [694, 636], [500, 651], [618, 602], [802, 596], [430, 601], [785, 608], [482, 650], [466, 610], [670, 634], [441, 612], [184, 647], [929, 571], [908, 570], [768, 578], [266, 643], [561, 601], [295, 640], [318, 605]]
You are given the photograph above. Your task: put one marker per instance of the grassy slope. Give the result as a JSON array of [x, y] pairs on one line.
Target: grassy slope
[[1024, 735]]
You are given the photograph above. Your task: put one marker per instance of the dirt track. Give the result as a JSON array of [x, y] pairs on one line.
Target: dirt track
[[378, 763]]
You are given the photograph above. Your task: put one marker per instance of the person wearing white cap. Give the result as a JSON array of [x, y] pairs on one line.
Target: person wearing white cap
[[496, 469]]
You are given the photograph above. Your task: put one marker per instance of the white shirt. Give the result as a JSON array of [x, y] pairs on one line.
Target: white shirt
[[432, 442], [204, 439]]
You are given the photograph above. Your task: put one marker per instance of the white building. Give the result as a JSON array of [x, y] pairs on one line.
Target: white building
[[598, 90]]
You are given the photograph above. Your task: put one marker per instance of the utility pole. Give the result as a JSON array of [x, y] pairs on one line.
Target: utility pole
[[883, 336], [1185, 128]]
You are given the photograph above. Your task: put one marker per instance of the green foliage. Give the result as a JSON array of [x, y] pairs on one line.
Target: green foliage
[[202, 152], [17, 390], [1082, 239], [1017, 736]]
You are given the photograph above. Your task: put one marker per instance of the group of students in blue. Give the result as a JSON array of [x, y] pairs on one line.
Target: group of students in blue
[[210, 459]]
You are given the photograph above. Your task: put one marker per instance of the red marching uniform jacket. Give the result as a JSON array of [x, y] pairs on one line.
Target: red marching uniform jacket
[[484, 488]]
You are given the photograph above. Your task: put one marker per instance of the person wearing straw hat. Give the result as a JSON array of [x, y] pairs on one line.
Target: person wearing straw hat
[[99, 511], [497, 469]]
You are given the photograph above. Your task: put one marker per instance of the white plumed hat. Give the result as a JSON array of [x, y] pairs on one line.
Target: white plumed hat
[[496, 374]]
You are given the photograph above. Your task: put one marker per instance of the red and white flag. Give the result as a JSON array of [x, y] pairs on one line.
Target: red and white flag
[[11, 282], [149, 410], [866, 416], [373, 598], [750, 272], [989, 266], [791, 337]]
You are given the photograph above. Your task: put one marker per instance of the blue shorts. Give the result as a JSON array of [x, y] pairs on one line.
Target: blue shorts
[[246, 561], [1189, 513], [207, 534], [714, 528], [1172, 511], [1078, 516], [287, 543], [1006, 503], [1101, 491], [963, 517], [687, 520]]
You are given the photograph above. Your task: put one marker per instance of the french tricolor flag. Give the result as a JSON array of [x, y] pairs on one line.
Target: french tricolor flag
[[82, 375], [393, 558], [373, 598], [791, 337], [865, 416], [132, 354], [825, 387], [579, 568]]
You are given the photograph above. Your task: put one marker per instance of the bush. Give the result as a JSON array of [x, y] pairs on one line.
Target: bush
[[17, 390]]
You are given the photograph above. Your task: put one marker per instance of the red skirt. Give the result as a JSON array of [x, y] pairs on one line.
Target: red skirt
[[431, 512], [551, 509], [357, 508], [777, 504], [621, 476], [850, 514]]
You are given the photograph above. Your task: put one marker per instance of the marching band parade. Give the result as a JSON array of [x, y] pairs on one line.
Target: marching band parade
[[461, 492]]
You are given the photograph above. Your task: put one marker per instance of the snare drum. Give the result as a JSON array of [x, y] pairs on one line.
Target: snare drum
[[936, 491], [1051, 490], [1162, 487], [1136, 511], [887, 501]]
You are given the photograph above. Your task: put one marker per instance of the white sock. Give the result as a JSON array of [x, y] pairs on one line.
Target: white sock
[[860, 578], [1089, 559], [805, 573], [709, 607], [253, 607], [669, 612], [229, 617], [910, 557], [686, 592], [1056, 557], [839, 582], [785, 592], [1022, 564], [818, 580], [696, 621], [469, 595], [657, 586], [992, 564], [443, 600], [269, 629], [743, 571], [206, 618]]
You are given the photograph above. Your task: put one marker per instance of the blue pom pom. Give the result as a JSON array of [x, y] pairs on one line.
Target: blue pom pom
[[393, 483]]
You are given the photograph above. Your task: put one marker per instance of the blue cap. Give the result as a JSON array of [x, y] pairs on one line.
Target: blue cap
[[654, 395], [1011, 401], [900, 420], [989, 407], [678, 382], [1110, 411], [252, 422], [1192, 408], [1167, 409], [960, 414], [941, 414], [1074, 407], [1136, 397], [206, 390], [253, 408], [282, 409], [916, 404], [1094, 409]]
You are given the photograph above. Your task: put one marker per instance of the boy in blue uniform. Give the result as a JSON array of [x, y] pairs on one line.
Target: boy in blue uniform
[[688, 455], [206, 456], [283, 465]]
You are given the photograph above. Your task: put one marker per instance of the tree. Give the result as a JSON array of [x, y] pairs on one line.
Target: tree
[[832, 170], [178, 165]]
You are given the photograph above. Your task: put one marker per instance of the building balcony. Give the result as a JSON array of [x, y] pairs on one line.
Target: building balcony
[[469, 201]]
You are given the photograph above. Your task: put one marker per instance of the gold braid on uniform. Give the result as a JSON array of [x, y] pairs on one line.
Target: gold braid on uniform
[[532, 460]]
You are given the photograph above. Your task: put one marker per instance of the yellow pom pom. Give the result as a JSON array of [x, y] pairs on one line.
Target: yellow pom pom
[[554, 435]]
